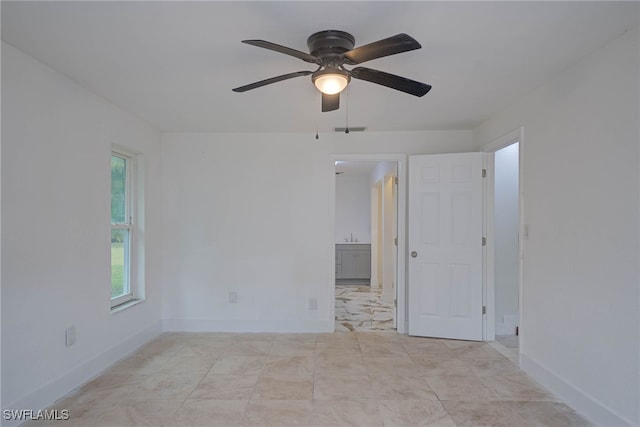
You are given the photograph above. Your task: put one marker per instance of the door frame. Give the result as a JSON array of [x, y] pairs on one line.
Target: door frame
[[401, 202], [517, 135]]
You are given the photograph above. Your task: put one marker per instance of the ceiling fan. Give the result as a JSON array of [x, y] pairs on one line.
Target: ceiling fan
[[331, 50]]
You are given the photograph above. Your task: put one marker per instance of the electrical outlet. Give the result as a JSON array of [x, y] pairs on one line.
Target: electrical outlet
[[233, 297], [70, 336], [313, 303]]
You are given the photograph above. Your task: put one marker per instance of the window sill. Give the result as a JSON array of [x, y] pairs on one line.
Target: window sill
[[125, 305]]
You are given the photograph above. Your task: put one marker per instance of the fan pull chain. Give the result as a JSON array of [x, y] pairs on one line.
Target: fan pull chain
[[317, 99], [346, 128]]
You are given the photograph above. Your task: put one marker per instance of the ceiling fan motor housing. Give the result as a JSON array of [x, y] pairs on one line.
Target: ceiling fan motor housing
[[330, 43]]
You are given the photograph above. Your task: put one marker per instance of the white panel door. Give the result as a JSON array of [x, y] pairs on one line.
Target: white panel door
[[445, 246]]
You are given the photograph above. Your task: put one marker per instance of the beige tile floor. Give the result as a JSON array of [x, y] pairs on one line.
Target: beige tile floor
[[343, 379]]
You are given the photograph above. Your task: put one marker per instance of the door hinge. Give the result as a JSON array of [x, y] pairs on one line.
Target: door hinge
[[395, 241], [484, 309], [395, 303], [484, 241], [395, 180], [484, 173]]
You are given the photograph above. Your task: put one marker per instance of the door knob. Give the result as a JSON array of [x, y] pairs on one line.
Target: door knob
[[414, 254]]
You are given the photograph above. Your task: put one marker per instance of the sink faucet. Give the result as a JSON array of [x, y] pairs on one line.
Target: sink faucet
[[351, 237]]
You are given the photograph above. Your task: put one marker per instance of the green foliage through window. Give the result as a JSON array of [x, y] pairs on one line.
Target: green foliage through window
[[121, 228], [118, 282], [118, 190]]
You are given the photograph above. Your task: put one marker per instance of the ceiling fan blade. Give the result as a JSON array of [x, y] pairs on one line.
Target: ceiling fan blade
[[330, 102], [385, 47], [392, 81], [271, 80], [283, 49]]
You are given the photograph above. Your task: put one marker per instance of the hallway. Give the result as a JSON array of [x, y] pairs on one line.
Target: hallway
[[361, 308]]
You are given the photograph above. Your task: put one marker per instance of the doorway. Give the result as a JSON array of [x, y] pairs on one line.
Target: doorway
[[504, 225], [366, 237], [506, 215]]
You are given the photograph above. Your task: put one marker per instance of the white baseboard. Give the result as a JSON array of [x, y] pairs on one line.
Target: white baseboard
[[278, 326], [63, 385], [511, 354], [583, 403]]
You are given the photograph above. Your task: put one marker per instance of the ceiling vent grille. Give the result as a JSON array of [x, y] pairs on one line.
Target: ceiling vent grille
[[351, 129]]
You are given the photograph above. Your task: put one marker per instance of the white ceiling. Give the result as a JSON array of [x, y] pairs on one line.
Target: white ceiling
[[174, 63]]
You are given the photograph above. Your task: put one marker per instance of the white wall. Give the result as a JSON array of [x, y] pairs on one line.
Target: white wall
[[250, 213], [56, 143], [353, 207], [382, 169], [506, 228], [581, 294]]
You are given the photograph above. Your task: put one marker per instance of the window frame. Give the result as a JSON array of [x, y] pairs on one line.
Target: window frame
[[130, 267]]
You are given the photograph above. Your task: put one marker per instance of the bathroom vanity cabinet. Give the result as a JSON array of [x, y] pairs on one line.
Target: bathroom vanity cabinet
[[353, 263]]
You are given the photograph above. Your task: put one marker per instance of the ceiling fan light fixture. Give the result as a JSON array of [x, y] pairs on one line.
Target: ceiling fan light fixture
[[331, 81]]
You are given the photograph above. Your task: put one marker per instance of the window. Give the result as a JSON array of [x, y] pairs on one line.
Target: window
[[123, 288]]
